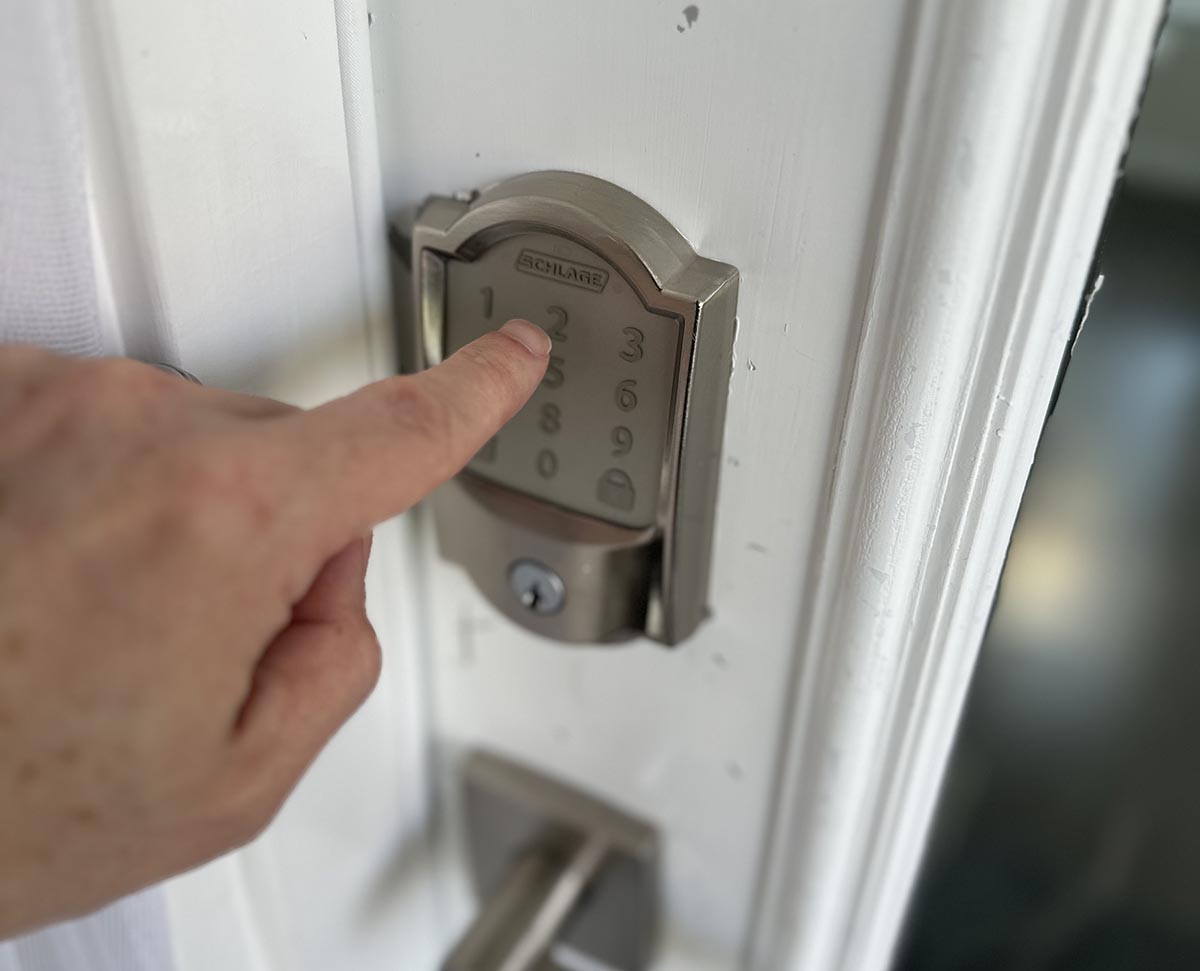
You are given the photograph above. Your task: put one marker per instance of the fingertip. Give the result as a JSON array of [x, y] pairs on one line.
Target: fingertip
[[528, 335]]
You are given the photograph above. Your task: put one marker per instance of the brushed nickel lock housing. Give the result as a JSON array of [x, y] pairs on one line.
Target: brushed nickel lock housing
[[588, 518]]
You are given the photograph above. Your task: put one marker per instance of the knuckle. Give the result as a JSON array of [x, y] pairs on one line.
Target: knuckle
[[426, 417], [52, 399], [213, 490], [108, 377], [368, 656], [498, 370], [56, 402], [247, 796], [68, 388], [25, 376], [191, 485], [81, 389], [248, 815], [20, 360], [360, 659]]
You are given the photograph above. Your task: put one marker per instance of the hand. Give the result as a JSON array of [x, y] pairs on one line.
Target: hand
[[182, 626]]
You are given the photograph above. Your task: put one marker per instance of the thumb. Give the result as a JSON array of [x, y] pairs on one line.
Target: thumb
[[311, 678]]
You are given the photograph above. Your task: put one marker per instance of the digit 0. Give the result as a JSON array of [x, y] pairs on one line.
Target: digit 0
[[547, 464]]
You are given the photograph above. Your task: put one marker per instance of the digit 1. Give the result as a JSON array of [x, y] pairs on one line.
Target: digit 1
[[489, 300]]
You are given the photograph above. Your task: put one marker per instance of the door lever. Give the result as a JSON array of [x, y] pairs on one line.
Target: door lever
[[558, 871], [521, 922]]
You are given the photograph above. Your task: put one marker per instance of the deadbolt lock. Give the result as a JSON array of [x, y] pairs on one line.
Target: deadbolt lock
[[588, 518]]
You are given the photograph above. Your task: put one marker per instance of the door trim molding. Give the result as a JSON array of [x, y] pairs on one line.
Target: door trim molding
[[1012, 120]]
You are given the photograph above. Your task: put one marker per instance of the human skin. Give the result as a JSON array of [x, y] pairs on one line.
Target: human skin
[[182, 621]]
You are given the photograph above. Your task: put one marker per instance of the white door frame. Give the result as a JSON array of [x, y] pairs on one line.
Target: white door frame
[[1012, 123]]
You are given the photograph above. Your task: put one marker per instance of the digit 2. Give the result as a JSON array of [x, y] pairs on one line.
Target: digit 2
[[557, 330]]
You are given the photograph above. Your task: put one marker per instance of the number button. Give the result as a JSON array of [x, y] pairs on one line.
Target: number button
[[625, 396], [633, 345], [554, 373], [615, 489], [551, 421], [547, 464], [557, 330]]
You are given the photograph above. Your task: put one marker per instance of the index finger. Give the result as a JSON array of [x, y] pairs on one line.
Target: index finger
[[386, 446]]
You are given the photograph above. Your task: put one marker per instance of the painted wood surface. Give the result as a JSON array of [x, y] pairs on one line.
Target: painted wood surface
[[758, 130]]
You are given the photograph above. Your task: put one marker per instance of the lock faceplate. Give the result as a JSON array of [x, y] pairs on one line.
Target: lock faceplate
[[595, 435], [607, 478]]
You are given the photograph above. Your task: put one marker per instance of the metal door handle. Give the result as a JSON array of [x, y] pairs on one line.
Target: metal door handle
[[523, 919], [560, 874]]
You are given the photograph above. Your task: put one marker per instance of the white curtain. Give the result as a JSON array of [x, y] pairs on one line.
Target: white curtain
[[131, 935], [48, 296], [47, 278]]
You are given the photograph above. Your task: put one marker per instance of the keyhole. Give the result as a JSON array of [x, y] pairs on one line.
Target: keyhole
[[537, 588]]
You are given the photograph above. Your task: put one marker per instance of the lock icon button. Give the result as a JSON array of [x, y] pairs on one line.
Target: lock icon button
[[616, 489]]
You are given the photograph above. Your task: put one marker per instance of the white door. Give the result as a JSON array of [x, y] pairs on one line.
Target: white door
[[912, 192]]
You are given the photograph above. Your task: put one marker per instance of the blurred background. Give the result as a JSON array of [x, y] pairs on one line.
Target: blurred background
[[1068, 835]]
